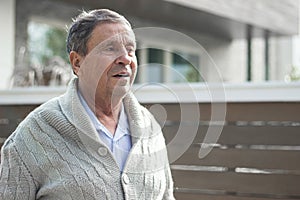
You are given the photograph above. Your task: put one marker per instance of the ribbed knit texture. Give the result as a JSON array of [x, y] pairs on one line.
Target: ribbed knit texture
[[55, 153]]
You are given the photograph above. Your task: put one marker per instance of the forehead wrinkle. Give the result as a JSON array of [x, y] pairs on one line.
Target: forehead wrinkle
[[102, 33], [121, 38], [113, 35]]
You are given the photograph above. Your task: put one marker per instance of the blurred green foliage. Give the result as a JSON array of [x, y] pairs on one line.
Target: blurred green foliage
[[45, 42], [56, 43], [294, 74]]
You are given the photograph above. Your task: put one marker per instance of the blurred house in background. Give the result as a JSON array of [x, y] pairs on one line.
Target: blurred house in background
[[248, 40], [257, 152]]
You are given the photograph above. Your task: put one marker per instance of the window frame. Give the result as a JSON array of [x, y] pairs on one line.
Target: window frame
[[168, 48]]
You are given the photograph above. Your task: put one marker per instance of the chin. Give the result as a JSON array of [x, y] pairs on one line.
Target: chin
[[120, 91]]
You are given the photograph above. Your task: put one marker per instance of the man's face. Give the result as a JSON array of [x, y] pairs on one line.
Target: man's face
[[109, 68]]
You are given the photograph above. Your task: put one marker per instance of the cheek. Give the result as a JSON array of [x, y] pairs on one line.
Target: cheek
[[134, 69], [135, 65], [94, 66]]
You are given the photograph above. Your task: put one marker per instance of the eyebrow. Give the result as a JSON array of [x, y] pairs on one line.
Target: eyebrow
[[131, 43], [125, 41]]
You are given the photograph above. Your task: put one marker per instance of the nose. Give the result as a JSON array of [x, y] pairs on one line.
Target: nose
[[123, 58]]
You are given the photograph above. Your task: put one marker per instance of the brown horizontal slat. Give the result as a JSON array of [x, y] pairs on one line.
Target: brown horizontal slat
[[244, 111], [181, 131], [245, 135], [268, 135], [6, 130], [235, 112], [248, 158], [189, 196], [11, 116], [174, 110], [264, 111], [15, 111], [237, 182]]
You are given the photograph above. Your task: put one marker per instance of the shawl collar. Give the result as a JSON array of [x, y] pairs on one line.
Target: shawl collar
[[148, 151], [76, 115], [140, 120]]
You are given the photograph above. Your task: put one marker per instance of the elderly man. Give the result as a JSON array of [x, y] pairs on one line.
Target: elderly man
[[95, 141]]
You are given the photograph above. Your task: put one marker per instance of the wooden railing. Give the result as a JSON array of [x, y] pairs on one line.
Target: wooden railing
[[256, 157], [10, 117]]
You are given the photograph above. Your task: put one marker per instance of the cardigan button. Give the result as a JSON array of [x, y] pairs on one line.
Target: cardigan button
[[125, 179], [102, 151]]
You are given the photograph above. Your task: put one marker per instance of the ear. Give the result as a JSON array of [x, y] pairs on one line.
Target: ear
[[75, 60]]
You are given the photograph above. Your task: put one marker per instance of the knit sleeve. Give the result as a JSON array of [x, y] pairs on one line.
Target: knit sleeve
[[15, 179], [169, 192]]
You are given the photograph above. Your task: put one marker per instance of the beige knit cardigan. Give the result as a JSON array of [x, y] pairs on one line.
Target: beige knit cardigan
[[55, 153]]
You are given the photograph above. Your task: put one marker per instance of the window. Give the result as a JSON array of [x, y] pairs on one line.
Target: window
[[46, 60], [155, 65], [159, 65], [186, 67], [45, 42]]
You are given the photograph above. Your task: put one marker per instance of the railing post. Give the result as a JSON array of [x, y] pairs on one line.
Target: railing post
[[249, 53]]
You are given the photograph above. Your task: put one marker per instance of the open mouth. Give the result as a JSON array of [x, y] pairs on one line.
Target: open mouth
[[121, 75]]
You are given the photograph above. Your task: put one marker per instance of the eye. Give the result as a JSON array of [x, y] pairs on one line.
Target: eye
[[130, 49], [110, 48]]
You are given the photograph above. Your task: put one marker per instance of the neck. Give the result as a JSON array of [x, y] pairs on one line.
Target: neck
[[108, 114], [107, 110], [110, 109]]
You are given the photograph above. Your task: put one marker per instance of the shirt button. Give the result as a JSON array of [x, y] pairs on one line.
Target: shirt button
[[102, 151], [125, 179]]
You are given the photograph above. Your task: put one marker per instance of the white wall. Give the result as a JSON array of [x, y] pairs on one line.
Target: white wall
[[7, 41], [275, 15], [296, 45], [281, 56], [258, 59], [230, 58]]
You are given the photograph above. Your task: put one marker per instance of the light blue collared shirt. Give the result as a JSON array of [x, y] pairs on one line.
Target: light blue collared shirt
[[119, 143]]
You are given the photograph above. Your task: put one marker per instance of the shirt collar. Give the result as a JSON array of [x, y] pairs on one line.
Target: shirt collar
[[122, 128]]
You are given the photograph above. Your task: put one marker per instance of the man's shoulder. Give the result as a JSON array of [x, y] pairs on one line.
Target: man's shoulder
[[36, 116], [36, 122]]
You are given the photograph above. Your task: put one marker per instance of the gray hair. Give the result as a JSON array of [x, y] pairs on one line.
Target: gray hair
[[83, 25]]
